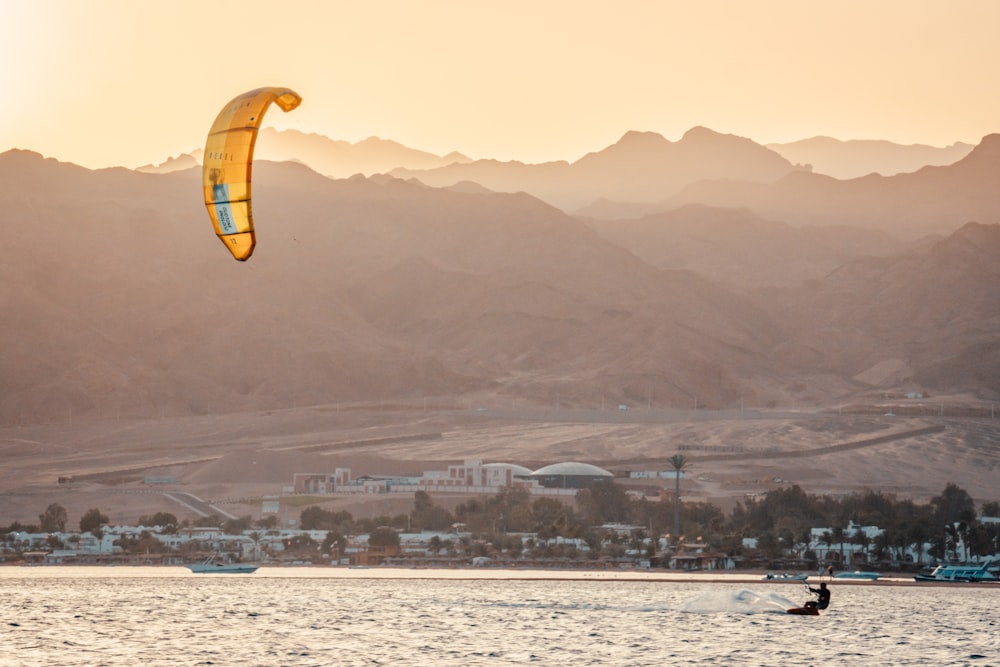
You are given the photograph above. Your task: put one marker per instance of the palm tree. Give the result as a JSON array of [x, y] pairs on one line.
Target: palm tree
[[861, 539], [839, 535], [255, 536], [882, 544], [827, 539], [678, 461], [918, 535], [953, 538]]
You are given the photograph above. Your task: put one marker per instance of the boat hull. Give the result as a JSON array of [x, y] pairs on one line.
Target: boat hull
[[205, 568], [952, 580]]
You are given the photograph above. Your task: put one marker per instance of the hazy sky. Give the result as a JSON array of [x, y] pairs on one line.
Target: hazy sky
[[122, 82]]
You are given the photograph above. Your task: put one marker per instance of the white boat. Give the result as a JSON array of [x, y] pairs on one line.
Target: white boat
[[211, 564], [785, 576], [959, 573]]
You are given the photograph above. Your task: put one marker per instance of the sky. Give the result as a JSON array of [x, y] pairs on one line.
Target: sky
[[127, 83]]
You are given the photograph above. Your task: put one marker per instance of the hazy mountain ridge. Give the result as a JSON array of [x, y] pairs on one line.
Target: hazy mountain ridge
[[118, 300], [741, 250], [641, 166], [135, 309], [859, 157], [932, 200], [644, 173], [330, 157], [932, 310]]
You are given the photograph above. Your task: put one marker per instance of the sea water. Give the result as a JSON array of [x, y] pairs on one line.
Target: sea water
[[311, 616]]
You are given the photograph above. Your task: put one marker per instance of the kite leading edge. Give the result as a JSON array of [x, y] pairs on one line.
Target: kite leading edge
[[228, 161]]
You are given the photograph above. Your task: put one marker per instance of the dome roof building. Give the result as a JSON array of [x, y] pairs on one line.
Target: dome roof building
[[570, 475]]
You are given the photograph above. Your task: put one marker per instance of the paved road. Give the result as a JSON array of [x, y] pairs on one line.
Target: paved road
[[196, 504]]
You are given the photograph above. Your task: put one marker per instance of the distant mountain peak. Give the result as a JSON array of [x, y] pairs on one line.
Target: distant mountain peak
[[638, 136], [701, 132], [635, 141], [22, 153], [989, 144], [182, 161]]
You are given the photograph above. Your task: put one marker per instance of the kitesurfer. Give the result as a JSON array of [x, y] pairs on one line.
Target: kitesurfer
[[822, 594]]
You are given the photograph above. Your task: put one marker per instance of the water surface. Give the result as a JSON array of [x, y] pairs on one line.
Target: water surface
[[167, 616]]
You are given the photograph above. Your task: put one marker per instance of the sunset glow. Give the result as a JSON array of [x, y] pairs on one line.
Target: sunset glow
[[110, 82]]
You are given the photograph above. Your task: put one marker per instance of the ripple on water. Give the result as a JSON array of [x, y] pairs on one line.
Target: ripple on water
[[127, 620]]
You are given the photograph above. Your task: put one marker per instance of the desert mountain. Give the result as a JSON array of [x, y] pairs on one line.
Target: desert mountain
[[738, 249], [933, 200], [337, 159], [858, 157], [644, 173], [640, 167], [118, 300], [930, 317]]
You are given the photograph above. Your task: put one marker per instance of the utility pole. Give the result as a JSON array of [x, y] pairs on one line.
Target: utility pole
[[678, 461]]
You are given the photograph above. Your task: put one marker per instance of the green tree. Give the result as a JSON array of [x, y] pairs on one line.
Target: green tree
[[145, 543], [769, 546], [53, 519], [165, 520], [952, 537], [300, 544], [604, 502], [882, 546], [986, 539], [427, 516], [919, 535], [383, 536], [827, 539], [92, 521], [552, 518], [952, 505], [861, 539], [237, 526], [317, 518]]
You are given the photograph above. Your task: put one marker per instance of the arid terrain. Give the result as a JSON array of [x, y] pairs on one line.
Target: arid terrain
[[233, 460], [764, 320]]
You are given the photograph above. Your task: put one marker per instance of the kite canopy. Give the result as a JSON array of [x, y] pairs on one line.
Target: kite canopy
[[228, 161]]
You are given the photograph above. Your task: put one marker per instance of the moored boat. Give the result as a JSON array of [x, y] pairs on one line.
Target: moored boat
[[785, 576], [959, 574], [211, 564], [857, 574]]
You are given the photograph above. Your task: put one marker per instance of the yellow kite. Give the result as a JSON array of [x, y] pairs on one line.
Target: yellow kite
[[228, 161]]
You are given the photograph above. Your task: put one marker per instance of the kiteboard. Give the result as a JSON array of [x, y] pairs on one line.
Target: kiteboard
[[804, 611]]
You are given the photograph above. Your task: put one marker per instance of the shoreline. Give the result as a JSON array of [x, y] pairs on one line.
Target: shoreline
[[40, 571]]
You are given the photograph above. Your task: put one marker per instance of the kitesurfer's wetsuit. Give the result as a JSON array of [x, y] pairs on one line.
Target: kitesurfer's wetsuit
[[824, 597]]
